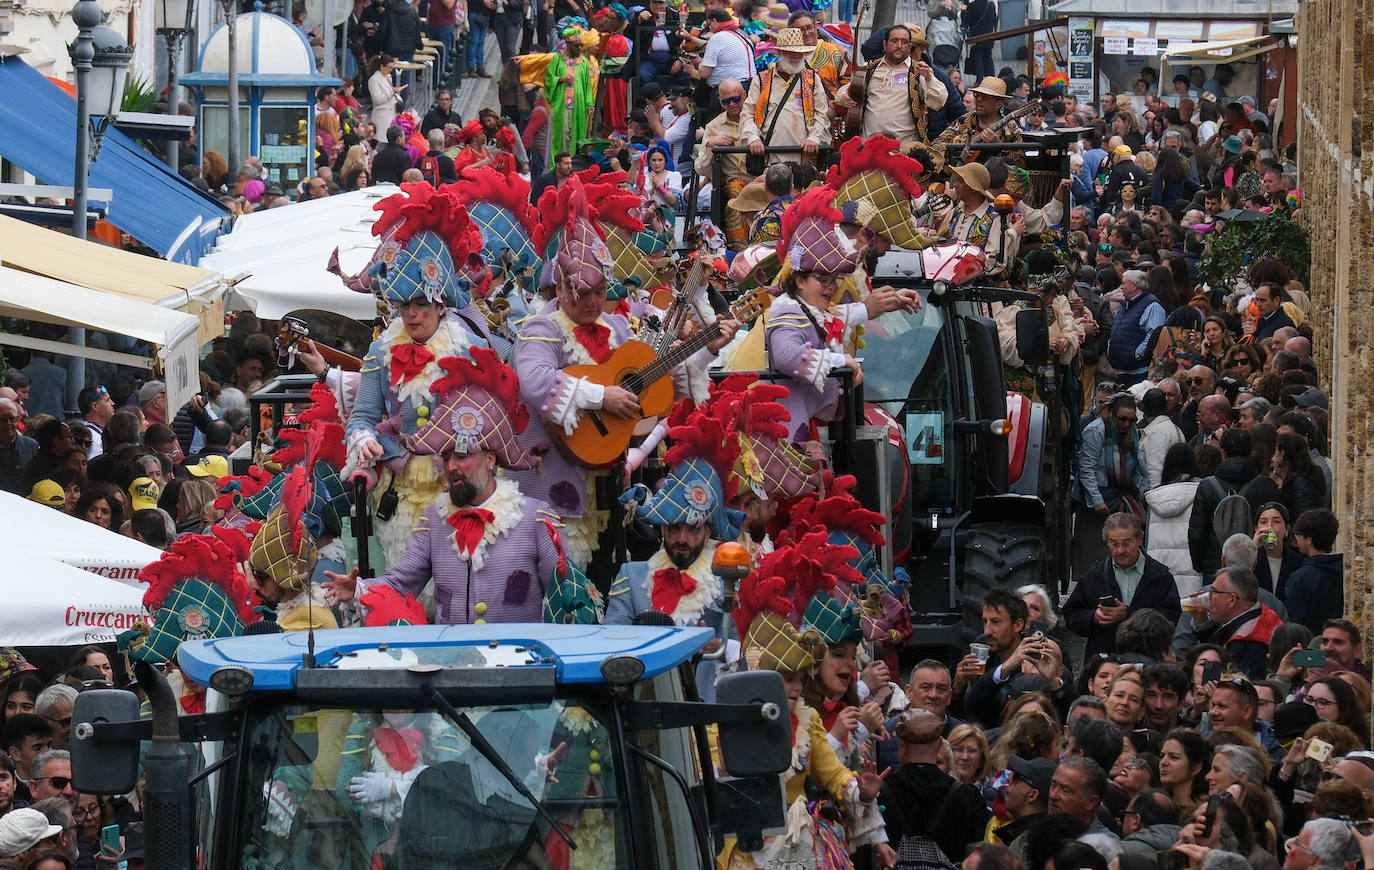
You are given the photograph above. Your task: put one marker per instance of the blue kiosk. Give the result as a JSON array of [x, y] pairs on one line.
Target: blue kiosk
[[277, 82]]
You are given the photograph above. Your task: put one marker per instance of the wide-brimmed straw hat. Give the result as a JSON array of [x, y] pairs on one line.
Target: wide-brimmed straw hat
[[976, 176], [992, 86], [790, 41], [753, 197]]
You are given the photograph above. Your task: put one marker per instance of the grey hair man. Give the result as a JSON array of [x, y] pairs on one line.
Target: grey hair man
[[55, 704], [1252, 411], [1322, 843], [58, 812], [52, 776]]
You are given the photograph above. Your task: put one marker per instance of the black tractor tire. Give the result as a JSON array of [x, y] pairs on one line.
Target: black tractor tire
[[998, 554]]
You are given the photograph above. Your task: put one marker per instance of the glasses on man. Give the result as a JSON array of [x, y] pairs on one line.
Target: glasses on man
[[58, 782], [730, 101]]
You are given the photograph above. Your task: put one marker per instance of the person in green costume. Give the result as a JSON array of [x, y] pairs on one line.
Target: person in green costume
[[570, 86]]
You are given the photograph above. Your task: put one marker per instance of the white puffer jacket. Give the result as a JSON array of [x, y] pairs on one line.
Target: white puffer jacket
[[1170, 506]]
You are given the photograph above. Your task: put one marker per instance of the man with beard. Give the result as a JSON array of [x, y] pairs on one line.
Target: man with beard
[[787, 104], [989, 97], [902, 89], [485, 544]]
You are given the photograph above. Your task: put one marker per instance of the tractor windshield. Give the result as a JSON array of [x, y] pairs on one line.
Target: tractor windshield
[[352, 789], [896, 346]]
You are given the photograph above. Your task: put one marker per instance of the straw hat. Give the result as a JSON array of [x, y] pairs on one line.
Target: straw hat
[[775, 19], [975, 175], [753, 197], [790, 41], [992, 86]]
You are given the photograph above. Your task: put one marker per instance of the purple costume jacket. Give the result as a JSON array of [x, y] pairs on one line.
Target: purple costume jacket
[[505, 578], [807, 352]]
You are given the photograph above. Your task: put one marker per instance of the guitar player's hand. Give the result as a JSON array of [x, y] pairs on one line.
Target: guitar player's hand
[[728, 328], [621, 402]]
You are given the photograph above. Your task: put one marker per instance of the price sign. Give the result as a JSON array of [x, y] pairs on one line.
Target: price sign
[[1115, 45]]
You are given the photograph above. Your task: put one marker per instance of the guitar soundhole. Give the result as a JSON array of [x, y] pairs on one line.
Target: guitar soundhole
[[630, 383]]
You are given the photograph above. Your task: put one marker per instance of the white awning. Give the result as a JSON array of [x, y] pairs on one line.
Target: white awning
[[285, 251], [1220, 45], [33, 528], [33, 297], [54, 604]]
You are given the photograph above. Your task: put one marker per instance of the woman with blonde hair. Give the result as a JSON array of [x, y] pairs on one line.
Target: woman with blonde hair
[[969, 746], [356, 158]]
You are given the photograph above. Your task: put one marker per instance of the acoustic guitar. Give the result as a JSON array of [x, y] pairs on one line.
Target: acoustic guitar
[[600, 438], [852, 123]]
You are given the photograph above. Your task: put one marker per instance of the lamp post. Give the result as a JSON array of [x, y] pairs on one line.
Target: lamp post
[[231, 18], [174, 24], [100, 58]]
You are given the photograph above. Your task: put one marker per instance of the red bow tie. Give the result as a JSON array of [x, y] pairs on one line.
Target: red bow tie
[[834, 330], [468, 527], [408, 360], [831, 712], [670, 585], [401, 747], [596, 338]]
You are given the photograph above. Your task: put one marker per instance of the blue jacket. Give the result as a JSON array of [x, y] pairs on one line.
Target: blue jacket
[[1138, 317], [1316, 592], [1092, 473]]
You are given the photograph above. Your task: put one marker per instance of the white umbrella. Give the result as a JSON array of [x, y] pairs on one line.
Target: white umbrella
[[29, 527], [53, 604]]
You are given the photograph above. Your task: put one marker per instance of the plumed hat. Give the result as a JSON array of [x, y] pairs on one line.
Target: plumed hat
[[702, 457], [874, 185], [500, 207], [479, 408], [197, 591], [574, 217], [751, 412], [284, 548], [572, 598], [387, 605], [811, 239]]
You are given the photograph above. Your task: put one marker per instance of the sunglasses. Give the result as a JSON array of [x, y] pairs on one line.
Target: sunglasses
[[730, 101], [58, 782]]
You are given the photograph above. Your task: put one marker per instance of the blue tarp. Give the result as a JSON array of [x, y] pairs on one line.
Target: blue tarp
[[151, 203]]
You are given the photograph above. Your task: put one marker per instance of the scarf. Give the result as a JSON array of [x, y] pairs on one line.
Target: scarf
[[469, 525], [831, 712], [400, 746], [1119, 455], [596, 338]]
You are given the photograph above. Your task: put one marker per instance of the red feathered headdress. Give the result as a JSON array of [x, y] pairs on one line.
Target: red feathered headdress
[[817, 202], [703, 437], [213, 558], [510, 192], [790, 576], [420, 207], [586, 195], [837, 512], [877, 154], [388, 606]]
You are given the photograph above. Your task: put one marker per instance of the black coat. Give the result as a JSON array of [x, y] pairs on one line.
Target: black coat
[[1233, 473], [1292, 560], [401, 29], [1272, 324], [390, 163], [1304, 492], [923, 799], [1156, 591]]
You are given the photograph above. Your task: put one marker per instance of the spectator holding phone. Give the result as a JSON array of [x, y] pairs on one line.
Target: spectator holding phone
[[1124, 582]]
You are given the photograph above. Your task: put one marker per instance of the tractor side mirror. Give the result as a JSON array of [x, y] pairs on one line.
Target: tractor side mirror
[[106, 766], [1033, 336], [762, 746]]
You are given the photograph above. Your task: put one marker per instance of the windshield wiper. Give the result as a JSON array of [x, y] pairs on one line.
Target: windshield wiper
[[494, 758]]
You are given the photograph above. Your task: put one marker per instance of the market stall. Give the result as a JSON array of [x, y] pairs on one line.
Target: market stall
[[38, 530], [53, 604]]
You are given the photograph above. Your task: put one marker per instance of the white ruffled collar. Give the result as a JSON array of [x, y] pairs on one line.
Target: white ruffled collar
[[691, 606], [450, 339], [507, 506]]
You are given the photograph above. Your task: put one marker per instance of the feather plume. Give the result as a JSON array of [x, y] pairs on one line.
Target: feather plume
[[818, 202], [703, 437], [766, 589], [213, 558], [598, 201], [876, 154], [295, 497], [242, 486], [420, 207], [838, 511], [387, 605], [486, 371]]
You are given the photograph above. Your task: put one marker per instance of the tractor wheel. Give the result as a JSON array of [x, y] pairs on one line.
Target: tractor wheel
[[997, 554]]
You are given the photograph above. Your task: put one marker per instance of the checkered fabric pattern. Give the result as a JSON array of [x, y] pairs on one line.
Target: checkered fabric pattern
[[834, 621], [272, 553], [773, 468], [774, 645], [692, 493], [629, 260], [449, 429], [329, 502], [819, 246], [573, 599], [892, 207], [578, 262], [502, 233], [423, 269], [193, 610]]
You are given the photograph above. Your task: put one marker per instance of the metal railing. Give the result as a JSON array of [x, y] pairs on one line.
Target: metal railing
[[718, 174]]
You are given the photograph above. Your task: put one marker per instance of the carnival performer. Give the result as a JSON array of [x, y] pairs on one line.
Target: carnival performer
[[489, 548], [427, 239], [983, 124], [612, 53], [768, 618], [570, 85], [576, 329], [805, 337]]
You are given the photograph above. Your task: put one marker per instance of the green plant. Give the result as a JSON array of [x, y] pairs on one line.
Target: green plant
[[139, 95], [1228, 252]]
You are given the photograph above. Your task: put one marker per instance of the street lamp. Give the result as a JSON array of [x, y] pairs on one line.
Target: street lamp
[[174, 23], [101, 60]]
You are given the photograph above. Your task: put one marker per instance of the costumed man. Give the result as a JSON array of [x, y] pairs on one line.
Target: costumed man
[[576, 330], [973, 221], [195, 591], [491, 550], [989, 98], [1042, 268], [901, 89], [768, 618], [723, 131], [875, 189], [805, 336], [570, 86], [830, 61], [787, 105], [612, 54], [427, 239]]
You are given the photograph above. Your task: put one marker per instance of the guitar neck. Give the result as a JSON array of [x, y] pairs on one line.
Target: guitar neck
[[666, 363]]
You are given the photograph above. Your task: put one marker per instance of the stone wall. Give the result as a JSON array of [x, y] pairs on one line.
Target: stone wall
[[1336, 173]]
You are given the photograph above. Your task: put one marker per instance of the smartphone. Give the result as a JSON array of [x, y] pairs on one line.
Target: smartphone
[[1107, 601], [1170, 860], [109, 842], [1318, 750], [1309, 658], [1209, 818], [1211, 672]]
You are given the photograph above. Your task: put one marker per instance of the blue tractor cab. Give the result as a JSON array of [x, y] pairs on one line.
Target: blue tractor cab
[[497, 745]]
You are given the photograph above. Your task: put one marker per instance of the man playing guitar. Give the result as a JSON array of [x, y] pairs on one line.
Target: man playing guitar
[[983, 124]]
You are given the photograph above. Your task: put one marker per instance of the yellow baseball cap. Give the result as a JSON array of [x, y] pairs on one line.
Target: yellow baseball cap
[[143, 494], [214, 467], [48, 492]]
